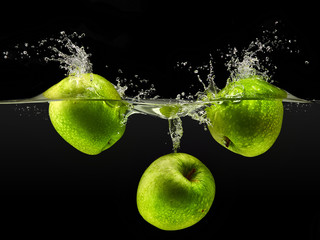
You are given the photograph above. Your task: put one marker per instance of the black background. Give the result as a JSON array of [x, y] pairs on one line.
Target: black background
[[49, 188]]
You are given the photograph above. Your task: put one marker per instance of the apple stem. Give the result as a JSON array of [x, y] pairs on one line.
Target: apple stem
[[189, 175], [227, 141]]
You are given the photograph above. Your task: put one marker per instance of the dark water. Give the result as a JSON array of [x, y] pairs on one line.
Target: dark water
[[272, 193], [48, 188]]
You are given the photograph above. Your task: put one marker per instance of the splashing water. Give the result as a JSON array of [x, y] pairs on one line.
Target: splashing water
[[252, 60], [246, 63], [176, 132], [239, 64], [75, 63], [207, 83], [140, 87]]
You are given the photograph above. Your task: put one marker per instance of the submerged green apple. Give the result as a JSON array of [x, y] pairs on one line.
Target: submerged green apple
[[251, 123], [175, 192], [87, 123]]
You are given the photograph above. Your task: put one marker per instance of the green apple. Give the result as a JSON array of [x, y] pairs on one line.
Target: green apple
[[249, 121], [169, 111], [175, 192], [87, 123]]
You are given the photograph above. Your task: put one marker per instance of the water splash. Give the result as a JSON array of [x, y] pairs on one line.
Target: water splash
[[76, 61], [257, 58], [243, 66], [253, 60], [176, 132], [204, 74], [135, 87]]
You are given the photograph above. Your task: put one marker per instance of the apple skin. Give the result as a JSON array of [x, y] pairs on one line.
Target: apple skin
[[175, 192], [247, 127], [89, 126]]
